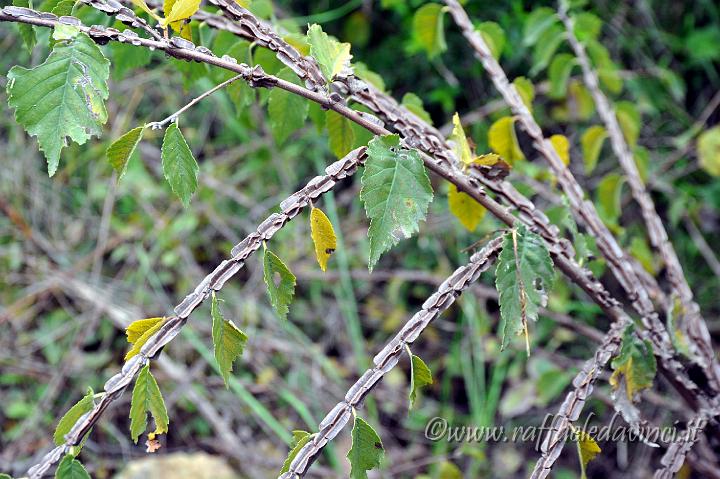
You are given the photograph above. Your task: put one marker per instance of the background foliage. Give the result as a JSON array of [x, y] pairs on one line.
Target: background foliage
[[82, 254]]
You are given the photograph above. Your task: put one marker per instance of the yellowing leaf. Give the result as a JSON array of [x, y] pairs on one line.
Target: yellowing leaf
[[592, 142], [465, 209], [139, 332], [708, 147], [526, 90], [488, 159], [562, 146], [587, 450], [420, 376], [228, 340], [494, 36], [608, 194], [180, 10], [323, 236], [146, 9], [461, 147], [629, 119], [299, 42], [503, 141], [635, 363], [428, 29], [300, 438], [331, 55], [146, 397]]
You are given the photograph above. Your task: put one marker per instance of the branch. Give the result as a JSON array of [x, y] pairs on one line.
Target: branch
[[696, 327], [116, 385], [389, 356], [572, 406], [583, 209], [675, 454]]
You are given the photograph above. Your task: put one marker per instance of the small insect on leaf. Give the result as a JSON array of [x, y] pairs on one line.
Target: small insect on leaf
[[367, 450], [420, 376], [587, 449], [71, 468], [138, 332], [146, 397], [323, 236], [280, 283], [300, 438], [228, 340], [71, 416]]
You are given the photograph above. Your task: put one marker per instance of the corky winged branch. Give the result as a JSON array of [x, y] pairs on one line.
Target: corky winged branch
[[414, 132]]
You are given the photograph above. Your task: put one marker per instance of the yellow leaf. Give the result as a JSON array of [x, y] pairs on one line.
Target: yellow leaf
[[323, 235], [526, 90], [503, 141], [587, 450], [465, 209], [179, 10], [243, 3], [139, 331], [137, 328], [488, 159], [460, 143], [562, 146], [146, 9]]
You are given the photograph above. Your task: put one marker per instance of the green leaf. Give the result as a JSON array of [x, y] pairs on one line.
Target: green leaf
[[560, 69], [71, 416], [287, 111], [228, 340], [415, 105], [341, 135], [634, 364], [5, 476], [396, 193], [367, 450], [587, 26], [428, 29], [300, 438], [546, 47], [526, 90], [146, 397], [608, 194], [178, 164], [468, 211], [71, 468], [63, 7], [587, 449], [537, 23], [591, 142], [140, 331], [62, 97], [280, 283], [365, 74], [120, 151], [708, 148], [641, 251], [331, 55], [27, 32], [179, 10], [494, 36], [523, 276], [126, 58], [420, 376], [606, 68], [502, 140]]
